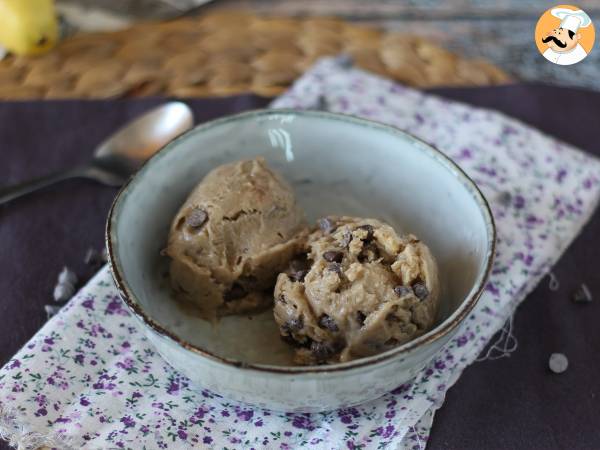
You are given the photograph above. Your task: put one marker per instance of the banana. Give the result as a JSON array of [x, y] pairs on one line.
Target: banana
[[28, 27]]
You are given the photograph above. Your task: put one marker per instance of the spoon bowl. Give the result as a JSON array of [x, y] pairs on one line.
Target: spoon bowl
[[141, 138], [122, 153]]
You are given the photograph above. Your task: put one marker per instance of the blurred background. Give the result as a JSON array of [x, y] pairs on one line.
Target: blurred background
[[500, 31], [203, 48]]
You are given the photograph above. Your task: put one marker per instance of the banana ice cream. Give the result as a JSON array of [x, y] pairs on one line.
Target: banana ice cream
[[237, 230], [357, 289]]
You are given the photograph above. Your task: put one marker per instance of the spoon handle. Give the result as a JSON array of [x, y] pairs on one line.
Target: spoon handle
[[9, 193]]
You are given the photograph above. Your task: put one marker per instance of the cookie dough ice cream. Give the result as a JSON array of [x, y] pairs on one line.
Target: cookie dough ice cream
[[357, 289], [235, 232]]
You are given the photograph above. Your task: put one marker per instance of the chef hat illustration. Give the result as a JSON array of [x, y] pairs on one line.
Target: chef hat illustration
[[572, 20]]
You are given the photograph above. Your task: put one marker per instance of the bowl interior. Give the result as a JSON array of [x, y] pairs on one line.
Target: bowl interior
[[337, 165]]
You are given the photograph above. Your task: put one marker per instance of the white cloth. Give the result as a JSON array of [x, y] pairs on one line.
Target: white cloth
[[566, 58]]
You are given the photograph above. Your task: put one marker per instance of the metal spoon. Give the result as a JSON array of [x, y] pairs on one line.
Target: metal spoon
[[121, 154]]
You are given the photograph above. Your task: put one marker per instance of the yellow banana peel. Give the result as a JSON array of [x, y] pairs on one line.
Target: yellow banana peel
[[28, 27]]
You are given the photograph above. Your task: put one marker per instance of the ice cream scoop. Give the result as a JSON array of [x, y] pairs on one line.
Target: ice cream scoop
[[357, 289], [236, 231]]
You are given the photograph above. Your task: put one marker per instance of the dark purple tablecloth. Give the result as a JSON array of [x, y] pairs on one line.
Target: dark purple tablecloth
[[511, 403]]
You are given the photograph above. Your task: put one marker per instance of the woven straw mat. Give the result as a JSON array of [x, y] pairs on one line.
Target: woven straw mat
[[227, 53]]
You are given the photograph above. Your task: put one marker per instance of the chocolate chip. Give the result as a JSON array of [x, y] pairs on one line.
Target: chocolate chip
[[299, 263], [63, 292], [92, 257], [321, 351], [282, 299], [335, 267], [421, 290], [299, 267], [196, 218], [558, 363], [327, 225], [360, 317], [333, 256], [392, 318], [67, 276], [369, 253], [328, 323], [582, 295], [295, 324], [401, 291], [51, 310], [346, 238], [289, 340], [369, 229], [303, 341], [235, 293], [298, 275]]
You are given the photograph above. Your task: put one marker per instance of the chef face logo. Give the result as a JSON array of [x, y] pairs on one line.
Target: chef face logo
[[564, 35], [561, 40]]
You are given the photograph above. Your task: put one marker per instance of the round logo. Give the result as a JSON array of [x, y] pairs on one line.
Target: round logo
[[565, 35]]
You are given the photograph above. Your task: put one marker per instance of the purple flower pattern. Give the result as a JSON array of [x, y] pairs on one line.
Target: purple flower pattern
[[90, 378]]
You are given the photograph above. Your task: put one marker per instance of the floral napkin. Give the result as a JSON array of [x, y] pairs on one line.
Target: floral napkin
[[90, 379]]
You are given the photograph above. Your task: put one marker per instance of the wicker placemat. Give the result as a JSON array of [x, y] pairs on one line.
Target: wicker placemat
[[227, 53]]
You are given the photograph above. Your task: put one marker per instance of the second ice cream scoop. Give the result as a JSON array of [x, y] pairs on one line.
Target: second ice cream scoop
[[236, 231], [360, 289]]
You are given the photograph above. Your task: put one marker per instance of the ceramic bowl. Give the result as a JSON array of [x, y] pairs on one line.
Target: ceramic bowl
[[337, 165]]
